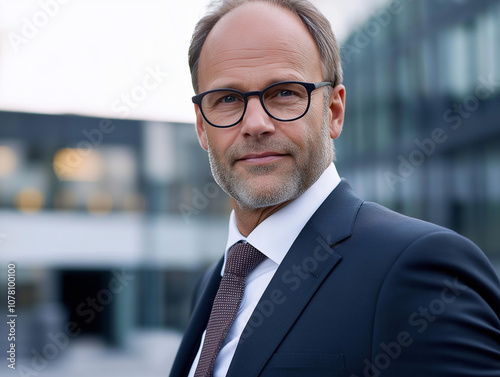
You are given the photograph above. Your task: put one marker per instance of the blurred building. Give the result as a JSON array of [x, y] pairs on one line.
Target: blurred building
[[109, 222], [422, 134]]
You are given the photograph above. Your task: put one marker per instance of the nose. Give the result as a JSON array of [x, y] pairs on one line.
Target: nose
[[256, 122]]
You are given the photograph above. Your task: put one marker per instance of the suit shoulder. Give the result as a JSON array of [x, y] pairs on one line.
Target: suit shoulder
[[413, 245], [379, 221], [390, 236]]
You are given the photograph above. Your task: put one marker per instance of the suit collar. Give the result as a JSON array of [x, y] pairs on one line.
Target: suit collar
[[334, 220], [313, 255]]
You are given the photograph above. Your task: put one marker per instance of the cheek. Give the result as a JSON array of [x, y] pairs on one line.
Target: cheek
[[316, 113], [293, 132], [220, 139], [306, 130]]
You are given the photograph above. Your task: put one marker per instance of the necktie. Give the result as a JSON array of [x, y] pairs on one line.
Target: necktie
[[242, 258]]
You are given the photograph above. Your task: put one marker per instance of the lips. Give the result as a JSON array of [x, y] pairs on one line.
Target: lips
[[262, 158]]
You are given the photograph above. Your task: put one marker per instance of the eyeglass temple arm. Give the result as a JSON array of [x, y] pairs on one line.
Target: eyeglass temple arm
[[322, 84]]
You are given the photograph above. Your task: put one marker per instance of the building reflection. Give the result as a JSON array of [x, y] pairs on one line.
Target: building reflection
[[422, 134]]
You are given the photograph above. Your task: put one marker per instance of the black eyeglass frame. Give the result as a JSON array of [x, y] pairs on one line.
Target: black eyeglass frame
[[310, 87]]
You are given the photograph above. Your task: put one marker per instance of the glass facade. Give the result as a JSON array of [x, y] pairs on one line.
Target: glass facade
[[422, 116]]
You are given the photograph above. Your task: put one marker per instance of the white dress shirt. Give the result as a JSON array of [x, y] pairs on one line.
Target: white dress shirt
[[273, 237]]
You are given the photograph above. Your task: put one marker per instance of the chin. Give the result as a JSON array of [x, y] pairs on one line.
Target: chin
[[262, 195]]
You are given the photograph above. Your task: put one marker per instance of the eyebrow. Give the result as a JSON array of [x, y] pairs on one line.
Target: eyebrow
[[237, 86]]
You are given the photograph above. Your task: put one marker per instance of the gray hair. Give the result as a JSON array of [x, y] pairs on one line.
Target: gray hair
[[313, 19]]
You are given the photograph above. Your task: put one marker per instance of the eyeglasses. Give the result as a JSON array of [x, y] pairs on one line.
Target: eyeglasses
[[284, 101]]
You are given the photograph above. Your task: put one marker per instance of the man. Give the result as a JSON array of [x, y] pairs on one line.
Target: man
[[344, 287]]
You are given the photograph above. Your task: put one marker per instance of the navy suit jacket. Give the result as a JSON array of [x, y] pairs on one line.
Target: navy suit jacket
[[364, 291]]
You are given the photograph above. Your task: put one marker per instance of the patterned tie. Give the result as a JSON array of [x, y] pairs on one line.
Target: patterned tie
[[242, 258]]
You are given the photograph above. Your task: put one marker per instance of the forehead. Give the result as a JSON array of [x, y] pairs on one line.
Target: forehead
[[258, 43]]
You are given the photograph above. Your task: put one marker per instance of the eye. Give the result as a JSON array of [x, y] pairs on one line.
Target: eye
[[228, 99], [225, 98], [285, 93]]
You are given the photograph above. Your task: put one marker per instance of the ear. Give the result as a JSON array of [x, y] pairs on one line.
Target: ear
[[336, 110], [200, 128]]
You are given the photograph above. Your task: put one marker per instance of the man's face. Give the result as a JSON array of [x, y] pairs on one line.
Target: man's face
[[262, 162]]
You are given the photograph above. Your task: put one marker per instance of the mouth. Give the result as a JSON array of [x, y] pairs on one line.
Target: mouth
[[261, 158]]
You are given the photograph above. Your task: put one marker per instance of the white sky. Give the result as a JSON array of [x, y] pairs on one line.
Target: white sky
[[84, 56]]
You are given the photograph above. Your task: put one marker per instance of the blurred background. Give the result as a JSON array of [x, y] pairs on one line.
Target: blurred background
[[107, 205]]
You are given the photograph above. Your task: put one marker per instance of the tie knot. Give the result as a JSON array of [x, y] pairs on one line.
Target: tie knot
[[242, 258]]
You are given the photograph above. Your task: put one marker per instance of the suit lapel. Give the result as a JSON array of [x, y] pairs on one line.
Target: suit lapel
[[198, 322], [308, 262]]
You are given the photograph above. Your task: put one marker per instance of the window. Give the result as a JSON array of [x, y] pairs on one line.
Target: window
[[461, 52], [405, 97], [495, 17], [485, 41], [425, 68]]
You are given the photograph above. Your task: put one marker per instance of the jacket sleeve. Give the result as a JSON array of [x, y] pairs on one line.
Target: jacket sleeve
[[437, 312]]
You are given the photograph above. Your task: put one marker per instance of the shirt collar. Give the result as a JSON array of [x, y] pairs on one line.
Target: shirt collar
[[276, 234]]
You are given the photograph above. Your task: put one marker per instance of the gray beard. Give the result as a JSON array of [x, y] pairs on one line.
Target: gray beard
[[246, 197], [294, 184]]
